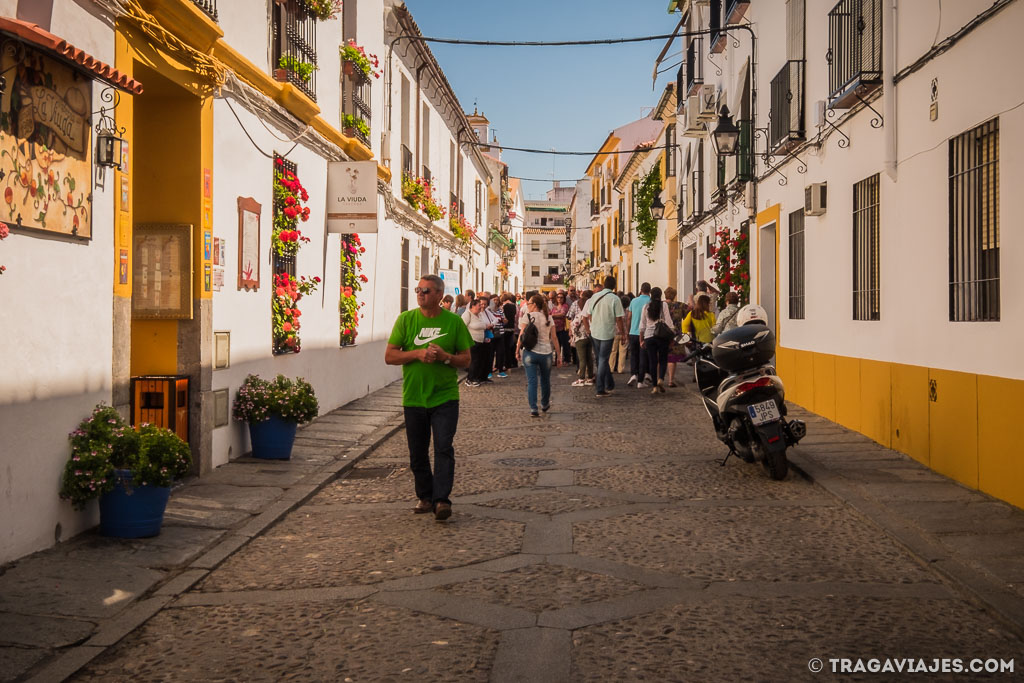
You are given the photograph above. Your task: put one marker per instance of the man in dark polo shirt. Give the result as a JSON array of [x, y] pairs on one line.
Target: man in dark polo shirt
[[430, 343]]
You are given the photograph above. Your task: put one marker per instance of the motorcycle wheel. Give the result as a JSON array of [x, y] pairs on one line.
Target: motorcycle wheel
[[774, 461]]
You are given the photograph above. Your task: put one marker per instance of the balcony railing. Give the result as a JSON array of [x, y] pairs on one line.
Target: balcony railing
[[406, 161], [854, 50], [595, 210], [294, 41], [208, 6], [694, 66], [787, 113], [555, 279]]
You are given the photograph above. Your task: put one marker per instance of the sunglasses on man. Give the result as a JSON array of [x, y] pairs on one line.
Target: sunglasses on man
[[423, 290]]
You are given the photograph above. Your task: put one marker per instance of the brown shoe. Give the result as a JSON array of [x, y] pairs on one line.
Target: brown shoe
[[442, 511], [423, 507]]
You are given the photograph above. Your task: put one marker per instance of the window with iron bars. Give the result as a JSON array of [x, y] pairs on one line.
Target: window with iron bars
[[796, 264], [355, 102], [281, 264], [407, 161], [294, 43], [670, 149], [866, 250], [974, 224]]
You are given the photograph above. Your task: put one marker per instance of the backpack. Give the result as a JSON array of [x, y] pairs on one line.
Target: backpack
[[530, 335]]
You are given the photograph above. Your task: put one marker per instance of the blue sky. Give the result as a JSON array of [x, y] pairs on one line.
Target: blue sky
[[564, 98]]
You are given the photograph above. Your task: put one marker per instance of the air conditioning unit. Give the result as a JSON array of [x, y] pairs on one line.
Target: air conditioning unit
[[708, 105], [815, 199], [694, 127]]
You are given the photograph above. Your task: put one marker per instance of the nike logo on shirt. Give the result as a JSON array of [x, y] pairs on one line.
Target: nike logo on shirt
[[427, 335]]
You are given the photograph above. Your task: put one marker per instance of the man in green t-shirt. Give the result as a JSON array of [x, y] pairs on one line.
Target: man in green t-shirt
[[429, 343]]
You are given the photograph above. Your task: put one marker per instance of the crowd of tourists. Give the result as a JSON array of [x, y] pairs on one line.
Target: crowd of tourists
[[600, 331]]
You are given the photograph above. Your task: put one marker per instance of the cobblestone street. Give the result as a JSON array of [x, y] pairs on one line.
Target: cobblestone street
[[602, 541]]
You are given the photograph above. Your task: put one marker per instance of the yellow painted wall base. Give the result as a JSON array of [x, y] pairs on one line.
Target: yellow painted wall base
[[949, 421]]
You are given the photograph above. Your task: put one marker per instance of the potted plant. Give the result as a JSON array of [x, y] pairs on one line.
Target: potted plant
[[274, 409], [130, 471], [352, 123], [298, 67], [324, 10], [355, 59]]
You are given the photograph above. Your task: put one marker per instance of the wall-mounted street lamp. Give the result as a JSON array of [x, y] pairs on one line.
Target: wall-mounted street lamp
[[726, 134], [657, 208], [109, 143]]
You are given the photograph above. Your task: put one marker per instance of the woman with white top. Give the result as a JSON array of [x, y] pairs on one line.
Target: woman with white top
[[539, 359], [657, 349], [477, 325]]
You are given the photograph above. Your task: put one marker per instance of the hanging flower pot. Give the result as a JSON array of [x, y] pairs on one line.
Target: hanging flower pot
[[281, 75]]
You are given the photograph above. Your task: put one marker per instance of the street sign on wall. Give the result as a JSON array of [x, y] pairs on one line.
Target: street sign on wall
[[352, 196]]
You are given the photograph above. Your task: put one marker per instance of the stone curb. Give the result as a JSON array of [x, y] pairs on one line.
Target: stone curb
[[110, 631], [1007, 607]]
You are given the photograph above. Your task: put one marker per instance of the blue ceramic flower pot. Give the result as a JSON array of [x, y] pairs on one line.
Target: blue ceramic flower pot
[[133, 511], [272, 439]]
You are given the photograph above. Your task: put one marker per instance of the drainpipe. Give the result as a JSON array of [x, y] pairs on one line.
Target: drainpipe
[[889, 84]]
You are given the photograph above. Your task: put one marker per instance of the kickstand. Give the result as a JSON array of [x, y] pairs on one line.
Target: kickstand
[[726, 458]]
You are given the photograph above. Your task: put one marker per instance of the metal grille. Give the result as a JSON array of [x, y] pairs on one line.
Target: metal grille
[[974, 224], [208, 6], [406, 161], [866, 250], [787, 112], [670, 150], [355, 100], [796, 264], [745, 158], [694, 66], [294, 36], [403, 290], [854, 48], [282, 264]]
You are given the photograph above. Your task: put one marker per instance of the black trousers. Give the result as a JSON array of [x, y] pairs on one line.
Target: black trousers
[[638, 359], [477, 357], [500, 357], [420, 424], [657, 357]]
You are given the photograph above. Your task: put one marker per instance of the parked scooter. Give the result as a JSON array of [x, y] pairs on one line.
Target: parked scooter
[[744, 396]]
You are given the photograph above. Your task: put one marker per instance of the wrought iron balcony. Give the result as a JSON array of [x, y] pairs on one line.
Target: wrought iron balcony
[[595, 210], [694, 66], [854, 51], [786, 127], [555, 279], [208, 6]]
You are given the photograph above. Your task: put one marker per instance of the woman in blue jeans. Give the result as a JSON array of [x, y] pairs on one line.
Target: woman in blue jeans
[[539, 359]]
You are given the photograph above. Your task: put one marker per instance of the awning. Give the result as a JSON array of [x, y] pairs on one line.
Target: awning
[[80, 59]]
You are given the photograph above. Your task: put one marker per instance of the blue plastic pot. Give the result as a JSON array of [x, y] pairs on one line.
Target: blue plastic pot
[[133, 511], [272, 439]]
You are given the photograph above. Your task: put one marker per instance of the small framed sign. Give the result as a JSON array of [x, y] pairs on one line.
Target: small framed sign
[[162, 272], [248, 243]]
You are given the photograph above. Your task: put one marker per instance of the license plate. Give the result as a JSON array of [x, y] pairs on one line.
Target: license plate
[[764, 412]]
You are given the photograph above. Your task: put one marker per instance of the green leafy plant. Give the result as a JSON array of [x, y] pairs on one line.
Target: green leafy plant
[[298, 67], [258, 400], [351, 121], [284, 310], [352, 281], [324, 10], [104, 443], [420, 193], [646, 226], [367, 63], [731, 265], [461, 228]]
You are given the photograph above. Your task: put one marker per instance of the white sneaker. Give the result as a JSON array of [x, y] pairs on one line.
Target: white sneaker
[[579, 383], [643, 385], [631, 381]]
